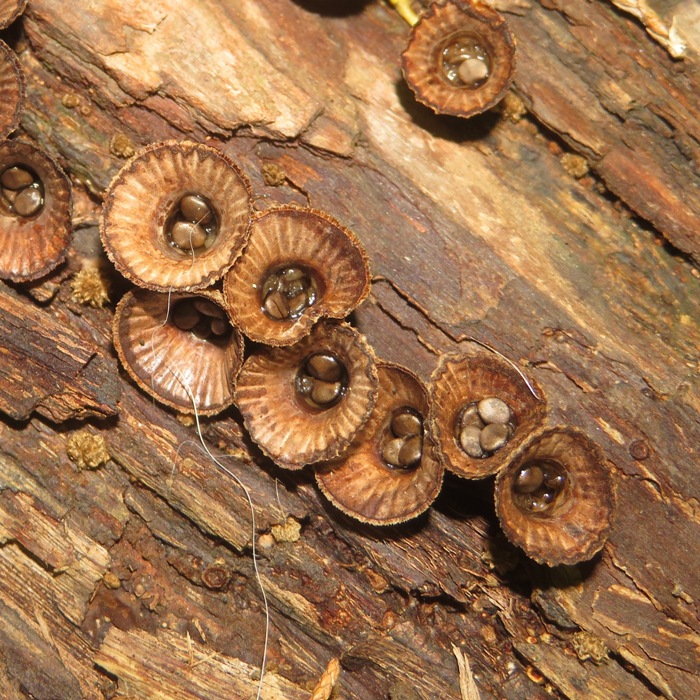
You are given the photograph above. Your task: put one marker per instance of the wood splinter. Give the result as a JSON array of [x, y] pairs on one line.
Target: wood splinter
[[327, 682]]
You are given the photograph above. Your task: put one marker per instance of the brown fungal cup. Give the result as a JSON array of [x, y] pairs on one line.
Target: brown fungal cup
[[306, 402], [460, 57], [35, 212], [482, 411], [176, 216], [10, 10], [12, 90], [170, 343], [389, 474], [556, 498], [299, 265]]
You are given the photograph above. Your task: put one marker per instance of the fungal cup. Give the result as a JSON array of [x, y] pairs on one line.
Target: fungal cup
[[556, 498], [460, 58], [299, 265], [35, 212], [306, 402], [176, 216], [389, 473], [179, 348], [482, 411]]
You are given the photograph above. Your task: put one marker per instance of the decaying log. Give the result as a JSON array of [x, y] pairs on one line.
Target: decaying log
[[562, 230]]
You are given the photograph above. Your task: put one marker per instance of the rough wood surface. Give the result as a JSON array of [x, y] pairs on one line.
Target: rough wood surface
[[136, 579], [44, 367]]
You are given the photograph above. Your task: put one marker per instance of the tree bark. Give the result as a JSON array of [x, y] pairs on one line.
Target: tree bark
[[136, 579]]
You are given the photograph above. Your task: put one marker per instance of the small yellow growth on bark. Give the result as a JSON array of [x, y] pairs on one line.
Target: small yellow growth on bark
[[111, 580], [289, 532], [273, 175], [122, 146], [587, 647], [236, 452], [574, 165], [70, 100], [90, 288], [512, 107], [327, 682], [86, 450]]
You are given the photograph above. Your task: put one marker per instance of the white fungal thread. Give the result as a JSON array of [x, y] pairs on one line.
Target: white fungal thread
[[512, 364], [277, 493], [153, 340], [226, 470], [417, 307], [243, 487]]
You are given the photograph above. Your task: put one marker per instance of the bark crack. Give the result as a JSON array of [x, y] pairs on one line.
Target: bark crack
[[416, 306]]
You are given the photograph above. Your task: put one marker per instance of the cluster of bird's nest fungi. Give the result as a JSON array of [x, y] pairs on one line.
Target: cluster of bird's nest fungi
[[210, 271]]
